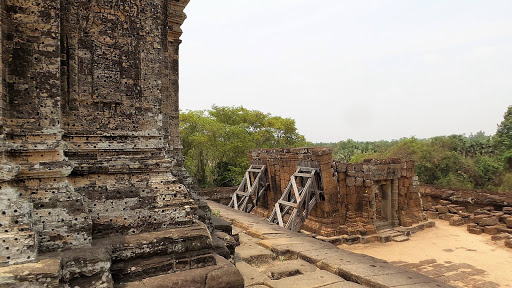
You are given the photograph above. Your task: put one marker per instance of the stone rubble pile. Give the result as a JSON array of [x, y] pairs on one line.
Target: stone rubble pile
[[483, 220]]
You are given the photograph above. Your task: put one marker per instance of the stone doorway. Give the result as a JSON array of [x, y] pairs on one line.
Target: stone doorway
[[382, 204], [385, 203]]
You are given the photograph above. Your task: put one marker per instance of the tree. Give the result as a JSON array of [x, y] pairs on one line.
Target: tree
[[502, 140], [216, 141]]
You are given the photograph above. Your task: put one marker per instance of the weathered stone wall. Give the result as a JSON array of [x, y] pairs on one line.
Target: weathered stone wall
[[89, 142], [378, 192], [352, 202], [91, 117], [471, 200]]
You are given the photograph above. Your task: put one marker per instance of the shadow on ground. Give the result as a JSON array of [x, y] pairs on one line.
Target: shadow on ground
[[457, 274]]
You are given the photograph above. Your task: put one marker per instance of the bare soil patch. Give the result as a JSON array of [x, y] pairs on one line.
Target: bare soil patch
[[450, 254]]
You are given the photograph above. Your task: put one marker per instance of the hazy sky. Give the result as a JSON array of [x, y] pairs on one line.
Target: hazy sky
[[365, 70]]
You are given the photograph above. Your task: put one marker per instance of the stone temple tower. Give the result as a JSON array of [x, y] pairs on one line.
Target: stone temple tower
[[90, 162]]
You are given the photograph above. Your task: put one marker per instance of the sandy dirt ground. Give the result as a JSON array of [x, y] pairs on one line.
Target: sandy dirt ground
[[450, 254]]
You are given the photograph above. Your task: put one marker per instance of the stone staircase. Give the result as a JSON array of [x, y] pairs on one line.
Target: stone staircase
[[136, 257], [177, 257]]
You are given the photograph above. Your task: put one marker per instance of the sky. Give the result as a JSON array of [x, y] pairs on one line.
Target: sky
[[365, 70]]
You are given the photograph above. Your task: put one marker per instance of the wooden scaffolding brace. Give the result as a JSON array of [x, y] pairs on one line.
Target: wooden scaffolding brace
[[253, 186], [297, 203]]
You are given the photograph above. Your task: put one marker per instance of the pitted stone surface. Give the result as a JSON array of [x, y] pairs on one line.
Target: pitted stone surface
[[91, 171]]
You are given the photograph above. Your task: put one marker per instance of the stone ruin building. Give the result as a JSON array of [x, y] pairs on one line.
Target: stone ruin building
[[92, 184], [354, 199]]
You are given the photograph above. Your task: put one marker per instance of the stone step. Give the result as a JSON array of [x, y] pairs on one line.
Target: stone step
[[222, 274], [171, 241], [138, 269], [139, 256]]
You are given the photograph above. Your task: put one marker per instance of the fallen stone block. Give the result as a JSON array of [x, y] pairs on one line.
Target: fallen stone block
[[508, 243], [472, 225], [476, 231], [447, 216], [432, 215], [467, 220], [489, 221], [444, 203], [507, 210], [481, 212], [499, 237], [491, 230], [455, 209], [485, 220], [442, 209], [504, 229], [508, 222], [456, 221]]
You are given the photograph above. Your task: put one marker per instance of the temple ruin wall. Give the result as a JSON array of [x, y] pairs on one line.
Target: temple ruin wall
[[358, 198]]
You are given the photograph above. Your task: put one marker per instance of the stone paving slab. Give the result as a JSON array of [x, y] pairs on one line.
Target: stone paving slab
[[360, 268], [254, 254], [252, 276], [283, 267], [346, 284], [319, 278]]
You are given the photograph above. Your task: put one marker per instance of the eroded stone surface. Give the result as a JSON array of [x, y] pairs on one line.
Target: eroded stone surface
[[357, 199], [91, 171]]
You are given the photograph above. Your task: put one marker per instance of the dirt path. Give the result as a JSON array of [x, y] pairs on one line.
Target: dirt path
[[450, 254]]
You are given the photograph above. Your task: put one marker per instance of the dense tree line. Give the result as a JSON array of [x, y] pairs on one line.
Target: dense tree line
[[216, 141], [457, 161]]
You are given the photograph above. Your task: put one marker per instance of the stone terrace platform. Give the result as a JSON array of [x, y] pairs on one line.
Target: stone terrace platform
[[356, 268]]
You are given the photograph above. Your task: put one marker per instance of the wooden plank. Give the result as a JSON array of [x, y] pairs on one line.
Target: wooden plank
[[306, 175], [263, 190], [294, 205], [254, 170], [235, 201], [295, 189], [291, 219], [279, 216], [248, 181]]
